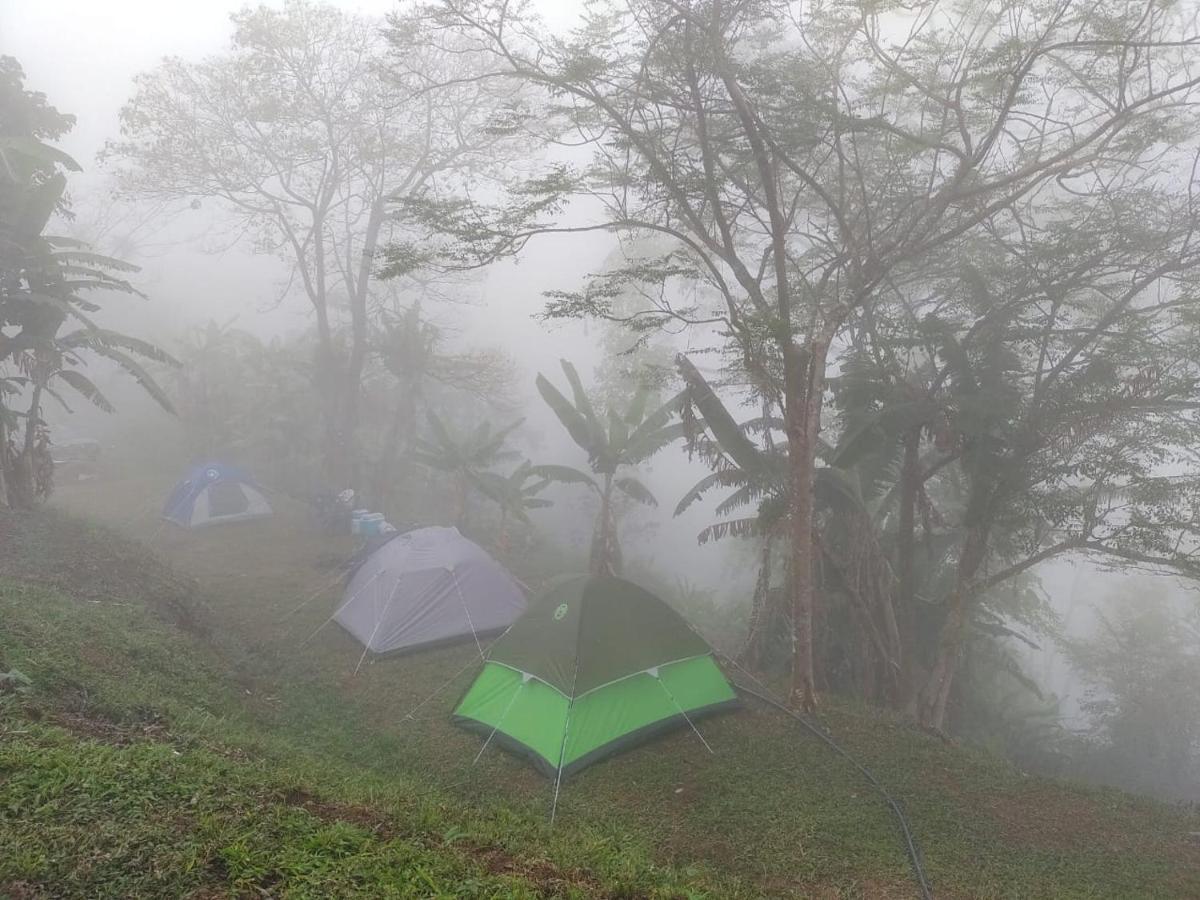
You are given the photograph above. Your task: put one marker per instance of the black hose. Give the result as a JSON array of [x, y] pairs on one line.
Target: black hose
[[914, 854]]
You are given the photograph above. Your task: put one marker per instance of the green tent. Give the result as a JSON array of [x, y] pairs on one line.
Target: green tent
[[595, 665]]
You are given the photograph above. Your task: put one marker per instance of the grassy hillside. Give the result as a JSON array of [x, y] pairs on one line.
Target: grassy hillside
[[182, 737]]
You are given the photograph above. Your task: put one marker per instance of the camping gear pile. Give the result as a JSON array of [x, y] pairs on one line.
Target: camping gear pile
[[365, 523]]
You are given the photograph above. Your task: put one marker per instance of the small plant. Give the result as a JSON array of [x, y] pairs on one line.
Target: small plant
[[14, 682]]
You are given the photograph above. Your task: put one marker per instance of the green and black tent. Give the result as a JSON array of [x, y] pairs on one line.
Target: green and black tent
[[594, 666]]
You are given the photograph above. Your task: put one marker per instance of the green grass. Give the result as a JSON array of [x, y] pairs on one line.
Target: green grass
[[182, 737]]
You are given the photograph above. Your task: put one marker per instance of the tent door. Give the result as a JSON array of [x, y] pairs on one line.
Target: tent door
[[226, 498]]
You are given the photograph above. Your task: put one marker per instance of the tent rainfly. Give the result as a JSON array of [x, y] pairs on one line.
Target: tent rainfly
[[596, 665], [214, 494], [427, 586]]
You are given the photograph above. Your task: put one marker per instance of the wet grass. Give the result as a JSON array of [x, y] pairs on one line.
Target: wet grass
[[267, 764]]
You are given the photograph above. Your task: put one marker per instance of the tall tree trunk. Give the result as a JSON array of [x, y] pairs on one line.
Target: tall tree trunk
[[502, 535], [348, 457], [396, 442], [606, 552], [5, 500], [906, 594], [32, 418], [460, 501], [805, 390], [21, 482], [329, 367], [936, 694], [359, 293], [752, 654], [328, 379]]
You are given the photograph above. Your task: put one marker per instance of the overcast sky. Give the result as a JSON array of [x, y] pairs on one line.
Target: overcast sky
[[84, 55]]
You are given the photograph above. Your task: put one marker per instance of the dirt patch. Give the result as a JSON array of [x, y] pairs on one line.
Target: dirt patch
[[97, 728], [545, 874], [327, 811], [495, 860], [209, 893], [20, 890], [867, 890]]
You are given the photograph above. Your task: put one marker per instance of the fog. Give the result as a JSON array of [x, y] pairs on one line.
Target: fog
[[991, 323]]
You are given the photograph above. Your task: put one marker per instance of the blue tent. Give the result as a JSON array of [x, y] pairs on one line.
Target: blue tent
[[213, 494]]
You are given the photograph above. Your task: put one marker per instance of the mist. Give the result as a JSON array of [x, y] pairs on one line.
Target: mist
[[860, 338]]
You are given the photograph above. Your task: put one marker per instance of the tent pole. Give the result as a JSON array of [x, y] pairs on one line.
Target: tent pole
[[378, 622], [657, 677], [562, 750], [340, 608], [500, 721], [446, 684], [322, 588], [467, 610]]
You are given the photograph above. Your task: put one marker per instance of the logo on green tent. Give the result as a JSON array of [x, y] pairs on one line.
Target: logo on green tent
[[560, 612]]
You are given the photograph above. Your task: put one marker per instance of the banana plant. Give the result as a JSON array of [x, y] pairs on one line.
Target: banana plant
[[855, 489], [515, 494], [615, 444], [46, 283], [466, 457]]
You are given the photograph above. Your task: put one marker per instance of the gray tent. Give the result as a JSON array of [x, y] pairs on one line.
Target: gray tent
[[428, 586]]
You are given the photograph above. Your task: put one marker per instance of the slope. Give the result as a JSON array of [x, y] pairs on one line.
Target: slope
[[341, 778]]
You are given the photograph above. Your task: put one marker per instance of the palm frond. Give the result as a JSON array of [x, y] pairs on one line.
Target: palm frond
[[731, 528], [577, 426], [93, 336], [84, 386], [635, 490], [637, 406], [717, 418], [646, 439], [743, 496], [144, 378], [582, 402], [564, 475]]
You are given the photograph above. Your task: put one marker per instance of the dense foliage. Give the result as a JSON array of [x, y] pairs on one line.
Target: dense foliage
[[48, 292]]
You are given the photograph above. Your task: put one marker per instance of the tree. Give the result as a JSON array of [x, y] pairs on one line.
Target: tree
[[806, 164], [213, 387], [421, 371], [305, 138], [849, 533], [630, 438], [45, 283], [1054, 383], [466, 457], [515, 494], [1144, 715]]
